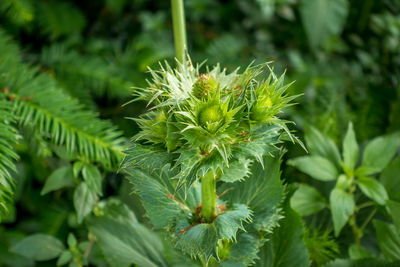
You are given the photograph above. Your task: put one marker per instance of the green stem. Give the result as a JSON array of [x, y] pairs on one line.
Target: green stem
[[178, 21], [208, 196]]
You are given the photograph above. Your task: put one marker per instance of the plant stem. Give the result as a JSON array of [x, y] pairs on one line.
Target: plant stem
[[178, 21], [208, 196]]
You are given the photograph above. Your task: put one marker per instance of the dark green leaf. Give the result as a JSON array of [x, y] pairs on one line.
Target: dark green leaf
[[60, 178], [394, 208], [307, 200], [342, 206], [243, 252], [350, 149], [317, 167], [379, 152], [388, 240], [92, 177], [39, 247], [84, 200], [390, 178], [322, 19], [373, 189]]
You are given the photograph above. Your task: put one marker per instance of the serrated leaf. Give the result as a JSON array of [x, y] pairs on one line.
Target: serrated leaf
[[319, 144], [237, 171], [394, 209], [388, 240], [262, 192], [286, 246], [123, 240], [372, 189], [93, 179], [390, 178], [39, 247], [243, 252], [342, 207], [317, 167], [307, 200], [379, 152], [350, 148], [84, 200], [322, 19], [62, 177]]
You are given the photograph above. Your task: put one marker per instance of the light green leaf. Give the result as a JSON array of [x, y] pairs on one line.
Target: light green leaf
[[350, 148], [357, 252], [71, 241], [379, 152], [123, 240], [77, 167], [322, 19], [84, 200], [307, 200], [317, 167], [92, 177], [394, 209], [39, 247], [286, 246], [319, 144], [388, 240], [390, 178], [342, 206], [237, 171], [64, 258], [372, 189], [62, 177]]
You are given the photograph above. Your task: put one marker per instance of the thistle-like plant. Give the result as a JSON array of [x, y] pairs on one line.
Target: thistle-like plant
[[206, 160]]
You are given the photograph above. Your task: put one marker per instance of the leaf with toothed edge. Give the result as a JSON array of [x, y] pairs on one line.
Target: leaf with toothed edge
[[237, 171]]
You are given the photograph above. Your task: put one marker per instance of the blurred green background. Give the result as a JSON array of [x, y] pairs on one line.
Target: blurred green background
[[344, 56]]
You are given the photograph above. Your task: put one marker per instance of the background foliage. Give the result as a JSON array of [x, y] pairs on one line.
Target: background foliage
[[66, 68]]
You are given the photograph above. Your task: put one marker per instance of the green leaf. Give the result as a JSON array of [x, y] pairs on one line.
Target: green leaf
[[390, 178], [342, 206], [357, 252], [123, 240], [379, 152], [350, 148], [394, 209], [319, 144], [92, 177], [39, 247], [371, 262], [62, 177], [237, 171], [373, 189], [322, 19], [388, 240], [262, 192], [307, 200], [71, 241], [286, 246], [84, 200], [317, 167], [77, 167], [64, 258], [243, 252]]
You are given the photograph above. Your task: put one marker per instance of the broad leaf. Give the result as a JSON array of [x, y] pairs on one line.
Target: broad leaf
[[307, 200], [237, 171], [322, 19], [92, 177], [262, 192], [65, 257], [357, 252], [60, 178], [388, 240], [372, 189], [317, 167], [243, 252], [379, 152], [321, 145], [342, 206], [371, 262], [390, 178], [394, 208], [286, 246], [350, 149], [84, 200], [39, 247], [123, 240]]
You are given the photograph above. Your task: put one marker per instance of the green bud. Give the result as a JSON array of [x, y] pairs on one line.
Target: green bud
[[205, 86], [210, 114]]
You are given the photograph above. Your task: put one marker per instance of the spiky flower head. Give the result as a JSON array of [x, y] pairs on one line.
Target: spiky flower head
[[211, 117]]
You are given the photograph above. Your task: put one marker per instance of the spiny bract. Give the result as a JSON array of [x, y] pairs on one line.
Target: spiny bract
[[213, 118]]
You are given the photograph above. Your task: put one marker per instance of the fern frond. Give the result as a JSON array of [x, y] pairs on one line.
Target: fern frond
[[8, 139]]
